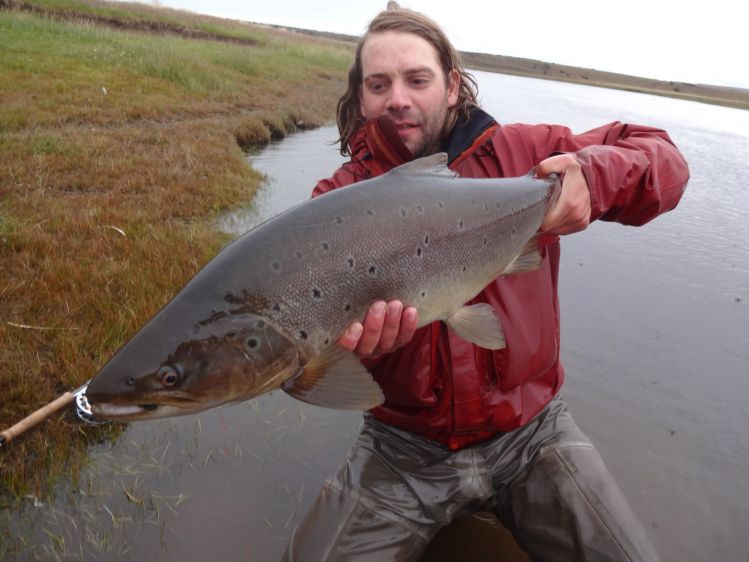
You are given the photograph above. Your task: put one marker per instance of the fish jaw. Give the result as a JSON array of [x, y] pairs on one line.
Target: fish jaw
[[146, 406], [114, 412]]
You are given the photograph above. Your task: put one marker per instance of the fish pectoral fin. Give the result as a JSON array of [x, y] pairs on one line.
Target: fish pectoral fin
[[336, 379], [478, 324], [529, 259]]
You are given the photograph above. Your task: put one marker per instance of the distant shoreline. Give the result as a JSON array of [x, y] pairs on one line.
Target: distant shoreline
[[705, 93]]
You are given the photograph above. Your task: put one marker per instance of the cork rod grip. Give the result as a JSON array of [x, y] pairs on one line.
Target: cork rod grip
[[39, 416]]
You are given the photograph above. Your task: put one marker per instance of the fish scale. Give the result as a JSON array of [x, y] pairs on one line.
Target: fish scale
[[400, 272], [268, 309]]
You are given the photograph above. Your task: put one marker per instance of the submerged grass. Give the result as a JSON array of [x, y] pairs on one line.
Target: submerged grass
[[118, 149]]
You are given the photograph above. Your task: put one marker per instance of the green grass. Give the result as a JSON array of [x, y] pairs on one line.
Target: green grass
[[97, 71], [106, 130], [135, 13]]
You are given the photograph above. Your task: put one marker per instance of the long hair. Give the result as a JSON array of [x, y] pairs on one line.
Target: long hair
[[395, 18]]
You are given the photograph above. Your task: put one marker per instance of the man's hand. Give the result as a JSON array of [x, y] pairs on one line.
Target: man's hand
[[571, 213], [386, 327]]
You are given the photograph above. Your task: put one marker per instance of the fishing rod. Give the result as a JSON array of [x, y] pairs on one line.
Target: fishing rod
[[82, 410]]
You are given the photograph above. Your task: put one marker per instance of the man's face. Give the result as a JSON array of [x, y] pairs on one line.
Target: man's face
[[402, 78]]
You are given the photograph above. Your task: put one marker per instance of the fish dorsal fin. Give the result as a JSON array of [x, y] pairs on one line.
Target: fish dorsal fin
[[478, 324], [336, 379], [434, 164], [529, 259]]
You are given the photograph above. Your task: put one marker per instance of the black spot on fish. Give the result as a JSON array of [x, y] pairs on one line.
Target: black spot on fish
[[325, 246], [440, 204], [473, 202], [298, 254], [463, 269], [231, 334], [419, 252], [350, 262], [485, 240], [276, 307], [130, 381], [372, 269], [303, 334], [403, 212], [423, 294], [370, 212], [347, 307], [420, 208], [327, 341], [426, 240], [339, 220], [276, 265], [461, 224], [514, 230], [316, 293]]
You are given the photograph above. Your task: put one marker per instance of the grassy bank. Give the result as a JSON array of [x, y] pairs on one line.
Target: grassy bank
[[118, 148]]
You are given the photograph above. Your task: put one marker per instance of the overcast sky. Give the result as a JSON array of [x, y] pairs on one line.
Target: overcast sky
[[690, 41]]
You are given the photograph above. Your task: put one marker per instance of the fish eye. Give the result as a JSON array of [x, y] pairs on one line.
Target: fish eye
[[168, 376], [252, 343]]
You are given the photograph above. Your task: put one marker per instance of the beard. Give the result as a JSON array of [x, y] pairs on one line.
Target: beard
[[432, 134], [432, 129]]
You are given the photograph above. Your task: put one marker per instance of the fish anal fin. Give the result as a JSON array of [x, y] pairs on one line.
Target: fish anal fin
[[336, 379], [529, 259], [478, 324]]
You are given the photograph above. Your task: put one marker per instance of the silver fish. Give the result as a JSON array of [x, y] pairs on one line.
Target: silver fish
[[266, 312]]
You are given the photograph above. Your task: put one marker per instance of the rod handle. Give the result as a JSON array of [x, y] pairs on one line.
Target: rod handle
[[39, 416]]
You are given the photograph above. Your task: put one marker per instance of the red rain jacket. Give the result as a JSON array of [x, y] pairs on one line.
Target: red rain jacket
[[449, 390]]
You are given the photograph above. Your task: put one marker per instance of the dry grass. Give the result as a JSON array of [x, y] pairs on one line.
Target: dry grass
[[108, 198]]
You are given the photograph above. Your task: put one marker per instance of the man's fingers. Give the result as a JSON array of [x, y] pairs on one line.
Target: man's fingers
[[385, 328], [350, 338], [571, 213], [391, 326], [373, 324], [409, 320]]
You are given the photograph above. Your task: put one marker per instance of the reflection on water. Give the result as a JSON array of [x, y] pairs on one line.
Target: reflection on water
[[655, 341]]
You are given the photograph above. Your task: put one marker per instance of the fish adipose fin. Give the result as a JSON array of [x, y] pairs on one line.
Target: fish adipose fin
[[434, 164], [529, 259], [336, 379], [478, 324]]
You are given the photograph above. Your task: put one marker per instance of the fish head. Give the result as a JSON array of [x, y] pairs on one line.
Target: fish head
[[230, 358]]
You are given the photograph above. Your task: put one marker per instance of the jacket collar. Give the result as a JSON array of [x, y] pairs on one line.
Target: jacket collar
[[464, 135]]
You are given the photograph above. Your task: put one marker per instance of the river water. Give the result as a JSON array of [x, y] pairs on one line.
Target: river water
[[655, 339]]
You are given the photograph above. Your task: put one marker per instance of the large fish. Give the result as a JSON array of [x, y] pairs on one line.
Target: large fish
[[266, 312]]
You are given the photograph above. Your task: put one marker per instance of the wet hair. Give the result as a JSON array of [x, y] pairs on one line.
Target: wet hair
[[395, 18]]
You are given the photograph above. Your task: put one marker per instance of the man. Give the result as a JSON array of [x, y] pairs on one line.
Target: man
[[464, 428]]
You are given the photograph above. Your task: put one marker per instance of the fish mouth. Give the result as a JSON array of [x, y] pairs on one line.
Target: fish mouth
[[111, 411]]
